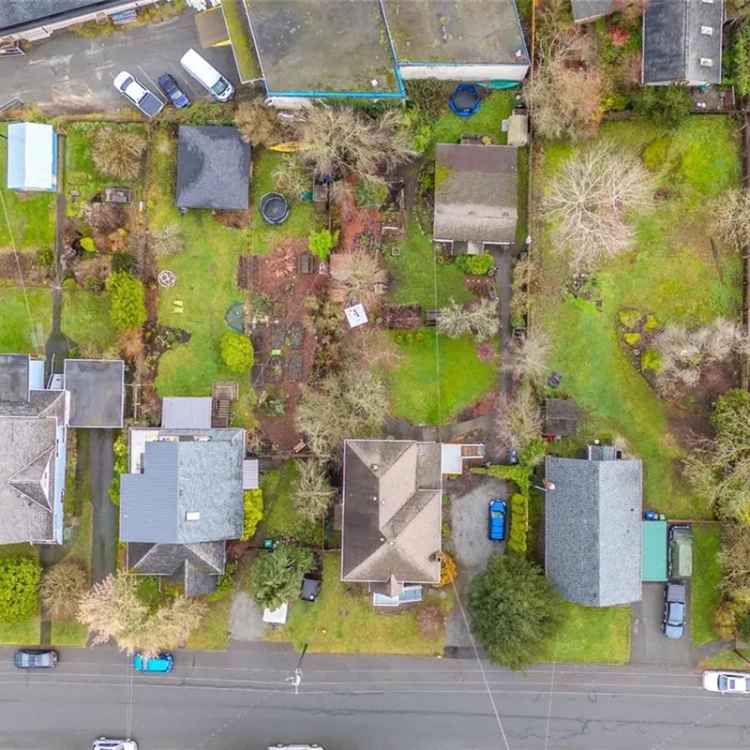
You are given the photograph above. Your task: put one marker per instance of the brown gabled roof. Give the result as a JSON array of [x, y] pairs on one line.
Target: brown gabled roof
[[391, 511]]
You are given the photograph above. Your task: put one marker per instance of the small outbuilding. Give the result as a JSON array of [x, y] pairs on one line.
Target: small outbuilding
[[213, 168], [32, 157]]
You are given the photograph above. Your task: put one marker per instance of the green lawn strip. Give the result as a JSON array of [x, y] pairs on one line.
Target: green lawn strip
[[728, 659], [302, 218], [429, 390], [343, 620], [31, 215], [704, 585], [496, 107], [416, 274], [18, 333], [592, 634], [25, 632], [242, 44], [280, 519], [85, 319], [213, 632], [81, 176], [68, 633], [522, 227]]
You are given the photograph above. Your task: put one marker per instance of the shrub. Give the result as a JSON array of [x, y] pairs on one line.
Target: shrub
[[236, 351], [652, 323], [253, 505], [519, 525], [479, 265], [321, 243], [651, 360], [119, 466], [127, 301], [88, 245], [276, 577], [118, 152], [448, 569], [740, 60], [258, 125], [669, 105], [62, 587], [629, 318], [632, 338], [19, 588]]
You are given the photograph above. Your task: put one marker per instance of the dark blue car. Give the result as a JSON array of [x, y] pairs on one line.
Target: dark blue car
[[161, 663], [498, 510], [173, 92]]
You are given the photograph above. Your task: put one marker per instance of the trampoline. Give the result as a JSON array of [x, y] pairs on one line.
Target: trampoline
[[465, 100], [274, 208]]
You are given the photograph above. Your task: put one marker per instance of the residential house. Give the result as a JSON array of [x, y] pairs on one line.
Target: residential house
[[682, 42], [592, 525], [182, 499], [213, 168], [585, 11], [31, 20], [32, 157], [307, 49], [476, 196]]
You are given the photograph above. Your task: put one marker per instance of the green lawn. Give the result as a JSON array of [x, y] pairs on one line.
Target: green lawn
[[728, 659], [280, 520], [432, 387], [343, 622], [31, 216], [85, 319], [213, 632], [591, 634], [302, 219], [68, 633], [672, 273], [704, 585], [18, 333], [25, 632], [239, 33], [418, 278]]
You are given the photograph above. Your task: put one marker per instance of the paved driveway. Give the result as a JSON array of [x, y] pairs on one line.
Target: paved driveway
[[69, 72], [649, 645]]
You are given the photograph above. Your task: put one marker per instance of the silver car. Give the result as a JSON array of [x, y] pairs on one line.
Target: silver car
[[105, 743]]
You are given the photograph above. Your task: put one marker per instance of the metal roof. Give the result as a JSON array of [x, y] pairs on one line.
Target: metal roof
[[14, 377], [32, 156], [654, 562], [186, 412]]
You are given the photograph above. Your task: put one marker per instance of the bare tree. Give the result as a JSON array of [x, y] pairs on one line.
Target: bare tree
[[730, 217], [312, 492], [291, 177], [258, 125], [62, 587], [734, 558], [589, 202], [167, 240], [527, 358], [518, 421], [168, 628], [336, 141], [480, 319], [118, 152], [358, 277]]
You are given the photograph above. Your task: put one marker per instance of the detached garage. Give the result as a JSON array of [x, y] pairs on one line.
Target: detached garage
[[32, 157]]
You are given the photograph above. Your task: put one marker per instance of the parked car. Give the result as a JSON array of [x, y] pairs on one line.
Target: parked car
[[172, 91], [36, 658], [498, 510], [202, 71], [161, 663], [105, 743], [726, 682], [141, 97], [675, 610], [680, 551]]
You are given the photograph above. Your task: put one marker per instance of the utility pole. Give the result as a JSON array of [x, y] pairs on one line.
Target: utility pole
[[295, 678]]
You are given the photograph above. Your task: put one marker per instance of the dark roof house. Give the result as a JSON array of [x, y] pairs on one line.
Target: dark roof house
[[391, 513], [589, 10], [593, 528], [32, 453], [476, 194], [682, 42], [213, 168], [182, 500]]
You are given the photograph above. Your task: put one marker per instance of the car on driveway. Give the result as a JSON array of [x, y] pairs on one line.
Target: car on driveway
[[105, 743], [141, 97], [36, 658], [172, 91], [675, 610], [726, 682], [161, 663], [497, 513]]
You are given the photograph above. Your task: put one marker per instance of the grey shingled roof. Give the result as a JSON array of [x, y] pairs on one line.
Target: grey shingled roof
[[476, 193], [673, 42], [26, 13], [14, 377], [588, 10], [593, 530], [213, 168], [391, 511], [198, 473], [97, 392]]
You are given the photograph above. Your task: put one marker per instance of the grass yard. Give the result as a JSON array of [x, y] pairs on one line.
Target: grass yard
[[25, 632], [302, 218], [31, 216], [68, 633], [85, 319], [704, 585], [672, 273], [213, 632], [280, 520], [591, 634], [347, 623], [728, 659], [418, 278], [18, 333], [430, 389], [206, 271]]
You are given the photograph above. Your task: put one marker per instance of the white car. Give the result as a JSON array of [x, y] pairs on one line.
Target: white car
[[726, 682], [104, 743], [147, 102]]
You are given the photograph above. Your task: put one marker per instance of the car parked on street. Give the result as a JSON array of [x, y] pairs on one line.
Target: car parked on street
[[497, 513], [36, 658], [141, 97], [105, 743], [675, 610], [172, 91], [161, 663], [726, 682]]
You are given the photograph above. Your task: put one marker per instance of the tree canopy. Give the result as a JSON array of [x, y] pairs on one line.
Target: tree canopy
[[276, 577]]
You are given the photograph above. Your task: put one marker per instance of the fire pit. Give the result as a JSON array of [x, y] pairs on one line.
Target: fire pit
[[274, 208]]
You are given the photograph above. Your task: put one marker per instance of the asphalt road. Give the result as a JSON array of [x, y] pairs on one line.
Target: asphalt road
[[69, 72], [239, 701]]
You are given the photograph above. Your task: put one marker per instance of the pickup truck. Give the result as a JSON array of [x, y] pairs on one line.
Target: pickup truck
[[141, 97]]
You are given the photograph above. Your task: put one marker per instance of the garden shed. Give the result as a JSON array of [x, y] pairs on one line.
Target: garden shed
[[32, 157], [654, 560]]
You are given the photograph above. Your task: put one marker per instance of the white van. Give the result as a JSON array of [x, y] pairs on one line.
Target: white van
[[205, 73]]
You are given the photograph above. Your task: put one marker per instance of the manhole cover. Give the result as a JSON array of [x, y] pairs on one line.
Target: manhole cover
[[167, 279]]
